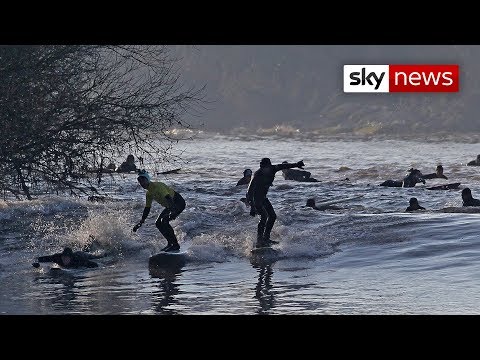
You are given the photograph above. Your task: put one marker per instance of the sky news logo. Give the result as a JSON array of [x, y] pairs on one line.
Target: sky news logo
[[400, 78]]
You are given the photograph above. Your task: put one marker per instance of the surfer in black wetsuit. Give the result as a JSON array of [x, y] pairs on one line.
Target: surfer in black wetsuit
[[297, 175], [128, 165], [437, 174], [414, 205], [475, 162], [413, 177], [247, 176], [468, 199], [257, 198], [70, 259]]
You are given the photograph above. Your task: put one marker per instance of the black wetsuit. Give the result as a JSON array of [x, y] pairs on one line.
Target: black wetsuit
[[257, 198], [298, 175], [78, 259], [410, 180], [434, 176], [471, 202], [414, 207], [127, 167], [244, 181]]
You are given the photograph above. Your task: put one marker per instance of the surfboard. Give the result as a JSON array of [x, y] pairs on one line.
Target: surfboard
[[168, 258], [444, 187], [174, 171], [264, 256], [336, 201]]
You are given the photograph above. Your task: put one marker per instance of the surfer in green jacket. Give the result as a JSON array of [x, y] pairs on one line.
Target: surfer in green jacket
[[167, 197]]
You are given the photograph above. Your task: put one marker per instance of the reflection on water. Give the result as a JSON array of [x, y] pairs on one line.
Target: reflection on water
[[263, 291], [164, 298], [66, 293]]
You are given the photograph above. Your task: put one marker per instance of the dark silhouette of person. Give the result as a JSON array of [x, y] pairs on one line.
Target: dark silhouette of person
[[468, 199], [247, 176], [437, 174], [311, 203], [172, 201], [257, 198], [475, 162], [128, 165], [297, 175], [414, 205], [69, 259], [413, 177]]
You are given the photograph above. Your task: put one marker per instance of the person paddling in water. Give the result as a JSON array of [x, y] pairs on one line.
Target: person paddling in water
[[172, 201], [69, 259], [257, 198], [438, 174], [414, 205]]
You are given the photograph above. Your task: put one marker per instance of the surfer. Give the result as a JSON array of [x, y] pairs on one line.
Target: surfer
[[128, 165], [257, 198], [172, 201], [311, 203], [413, 177], [297, 175], [69, 259], [437, 174], [475, 162], [414, 205], [247, 176], [468, 199]]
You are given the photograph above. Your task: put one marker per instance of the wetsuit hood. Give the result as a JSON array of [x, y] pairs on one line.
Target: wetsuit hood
[[265, 162], [143, 173]]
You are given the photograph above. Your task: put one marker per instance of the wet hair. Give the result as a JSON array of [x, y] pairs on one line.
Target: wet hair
[[130, 158], [265, 162], [413, 201], [310, 202], [439, 167]]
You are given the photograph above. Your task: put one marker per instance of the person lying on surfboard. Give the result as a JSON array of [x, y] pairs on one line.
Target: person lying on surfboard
[[297, 175], [412, 177], [414, 205], [167, 197], [437, 174], [69, 259], [257, 198], [468, 199]]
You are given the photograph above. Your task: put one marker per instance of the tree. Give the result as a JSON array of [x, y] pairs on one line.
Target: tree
[[67, 109]]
